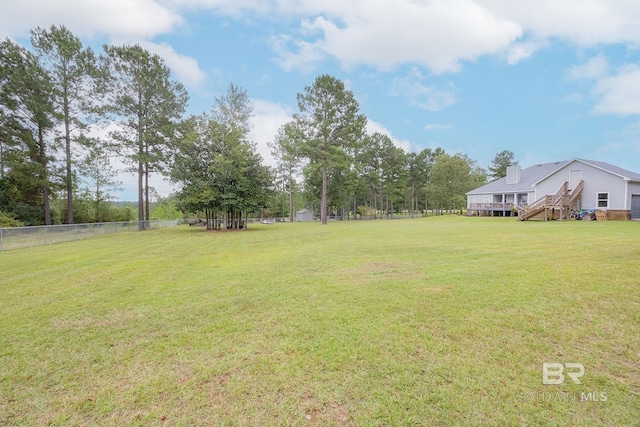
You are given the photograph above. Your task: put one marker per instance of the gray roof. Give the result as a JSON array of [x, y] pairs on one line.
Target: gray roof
[[528, 177], [626, 174], [536, 173]]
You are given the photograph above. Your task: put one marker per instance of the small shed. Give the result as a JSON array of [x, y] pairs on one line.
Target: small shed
[[304, 215]]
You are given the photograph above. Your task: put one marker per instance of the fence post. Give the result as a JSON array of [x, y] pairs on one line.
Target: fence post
[[45, 234], [0, 239]]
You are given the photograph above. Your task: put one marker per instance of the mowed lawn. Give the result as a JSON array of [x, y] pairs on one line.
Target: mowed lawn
[[436, 321]]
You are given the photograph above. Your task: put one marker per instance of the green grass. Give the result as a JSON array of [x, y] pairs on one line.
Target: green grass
[[437, 321]]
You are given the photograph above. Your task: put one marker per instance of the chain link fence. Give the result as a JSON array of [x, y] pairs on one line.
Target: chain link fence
[[27, 237]]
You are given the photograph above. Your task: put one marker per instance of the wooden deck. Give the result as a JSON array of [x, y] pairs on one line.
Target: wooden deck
[[561, 202]]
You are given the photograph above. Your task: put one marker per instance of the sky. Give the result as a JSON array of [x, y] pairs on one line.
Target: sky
[[548, 80]]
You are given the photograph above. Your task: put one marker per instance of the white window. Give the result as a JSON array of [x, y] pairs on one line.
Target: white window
[[603, 200]]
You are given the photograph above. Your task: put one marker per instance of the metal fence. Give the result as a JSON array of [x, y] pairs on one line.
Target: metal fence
[[27, 237]]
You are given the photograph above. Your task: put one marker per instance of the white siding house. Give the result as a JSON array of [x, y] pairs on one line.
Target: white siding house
[[606, 187]]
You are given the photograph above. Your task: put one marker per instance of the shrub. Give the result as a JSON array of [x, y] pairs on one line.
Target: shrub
[[7, 220]]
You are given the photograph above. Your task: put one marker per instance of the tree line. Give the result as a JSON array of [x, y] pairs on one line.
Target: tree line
[[350, 173], [66, 113]]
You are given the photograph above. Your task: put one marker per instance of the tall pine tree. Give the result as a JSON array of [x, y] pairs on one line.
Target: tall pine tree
[[147, 105]]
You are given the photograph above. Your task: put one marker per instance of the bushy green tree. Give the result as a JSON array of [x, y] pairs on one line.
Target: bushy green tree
[[451, 178], [218, 169], [500, 163]]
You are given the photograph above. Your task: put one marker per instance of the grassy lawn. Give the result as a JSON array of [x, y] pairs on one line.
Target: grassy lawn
[[437, 321]]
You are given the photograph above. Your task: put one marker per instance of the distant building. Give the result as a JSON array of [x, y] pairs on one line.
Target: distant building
[[304, 215], [557, 188]]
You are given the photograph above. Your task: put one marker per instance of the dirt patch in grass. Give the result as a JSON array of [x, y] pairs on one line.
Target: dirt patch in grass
[[369, 271], [331, 413]]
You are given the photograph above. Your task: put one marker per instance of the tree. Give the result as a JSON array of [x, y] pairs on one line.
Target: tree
[[371, 161], [451, 177], [329, 123], [101, 177], [217, 168], [284, 150], [148, 106], [419, 171], [72, 70], [500, 163], [393, 161], [28, 117]]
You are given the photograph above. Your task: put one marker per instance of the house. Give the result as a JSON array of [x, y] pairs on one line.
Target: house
[[553, 189], [304, 215]]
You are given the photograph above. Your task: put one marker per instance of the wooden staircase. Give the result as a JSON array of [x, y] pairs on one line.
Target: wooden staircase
[[562, 201]]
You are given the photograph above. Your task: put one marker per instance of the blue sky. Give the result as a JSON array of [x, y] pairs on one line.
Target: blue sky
[[547, 79]]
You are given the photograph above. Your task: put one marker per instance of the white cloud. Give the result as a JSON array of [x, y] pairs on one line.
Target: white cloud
[[185, 68], [523, 50], [115, 18], [439, 35], [619, 93], [425, 97], [234, 8], [373, 127], [267, 118], [584, 22], [305, 57], [386, 33], [595, 68]]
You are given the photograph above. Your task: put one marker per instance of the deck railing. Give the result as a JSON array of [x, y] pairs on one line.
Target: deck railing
[[491, 206], [563, 200]]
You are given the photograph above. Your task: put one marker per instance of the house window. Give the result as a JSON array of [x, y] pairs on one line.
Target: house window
[[603, 200]]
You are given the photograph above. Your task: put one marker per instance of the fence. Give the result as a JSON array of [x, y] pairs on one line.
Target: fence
[[27, 237]]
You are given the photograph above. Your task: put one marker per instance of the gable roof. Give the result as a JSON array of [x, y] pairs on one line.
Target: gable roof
[[528, 177], [532, 175], [623, 173], [604, 166]]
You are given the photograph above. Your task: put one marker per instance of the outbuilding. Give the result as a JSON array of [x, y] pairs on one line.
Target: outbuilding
[[304, 215]]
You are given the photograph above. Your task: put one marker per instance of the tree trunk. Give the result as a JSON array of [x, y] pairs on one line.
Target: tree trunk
[[67, 140], [141, 145], [290, 193], [1, 160], [47, 208], [140, 196], [323, 199], [375, 204], [45, 178], [355, 207], [284, 189], [146, 192], [413, 198]]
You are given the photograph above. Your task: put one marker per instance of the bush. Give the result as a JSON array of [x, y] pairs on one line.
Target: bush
[[7, 220]]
